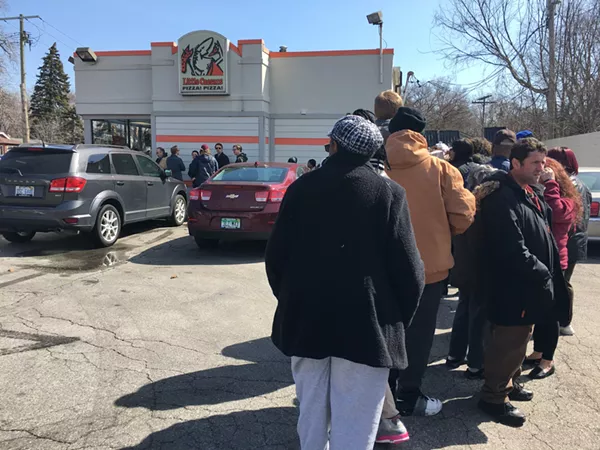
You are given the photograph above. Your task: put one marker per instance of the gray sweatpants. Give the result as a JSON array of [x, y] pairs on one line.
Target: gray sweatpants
[[340, 403]]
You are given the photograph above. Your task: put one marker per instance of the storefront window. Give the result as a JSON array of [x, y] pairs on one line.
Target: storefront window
[[135, 133]]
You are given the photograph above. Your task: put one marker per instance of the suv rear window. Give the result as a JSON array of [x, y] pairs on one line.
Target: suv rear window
[[258, 174], [36, 162], [99, 163]]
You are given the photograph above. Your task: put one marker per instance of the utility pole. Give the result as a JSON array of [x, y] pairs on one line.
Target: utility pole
[[483, 101], [23, 38], [551, 100]]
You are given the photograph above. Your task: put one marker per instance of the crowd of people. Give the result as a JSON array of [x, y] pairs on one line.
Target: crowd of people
[[381, 228], [203, 164]]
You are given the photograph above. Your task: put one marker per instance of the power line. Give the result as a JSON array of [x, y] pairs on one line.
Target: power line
[[50, 34], [64, 34]]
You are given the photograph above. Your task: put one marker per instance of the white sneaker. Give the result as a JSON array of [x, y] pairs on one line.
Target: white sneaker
[[567, 331], [425, 406], [391, 431]]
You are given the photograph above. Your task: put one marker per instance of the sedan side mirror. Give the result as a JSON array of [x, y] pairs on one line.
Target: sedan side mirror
[[168, 173]]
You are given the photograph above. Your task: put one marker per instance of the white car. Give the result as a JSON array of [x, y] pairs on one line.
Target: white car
[[591, 178]]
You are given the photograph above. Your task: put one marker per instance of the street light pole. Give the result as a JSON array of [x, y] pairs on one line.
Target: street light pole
[[381, 53], [23, 38]]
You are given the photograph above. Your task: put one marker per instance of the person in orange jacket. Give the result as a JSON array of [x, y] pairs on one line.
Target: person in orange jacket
[[440, 207]]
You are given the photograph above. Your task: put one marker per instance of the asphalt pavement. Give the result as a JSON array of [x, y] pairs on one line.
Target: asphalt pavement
[[154, 344]]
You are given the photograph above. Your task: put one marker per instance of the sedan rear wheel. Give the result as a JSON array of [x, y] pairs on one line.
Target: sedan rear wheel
[[108, 226], [19, 237]]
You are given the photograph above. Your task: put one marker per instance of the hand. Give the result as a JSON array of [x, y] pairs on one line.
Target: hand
[[547, 174]]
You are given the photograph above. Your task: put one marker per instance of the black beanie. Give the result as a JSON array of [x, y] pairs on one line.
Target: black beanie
[[407, 119]]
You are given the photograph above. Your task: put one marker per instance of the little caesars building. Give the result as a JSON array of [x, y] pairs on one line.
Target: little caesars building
[[204, 89]]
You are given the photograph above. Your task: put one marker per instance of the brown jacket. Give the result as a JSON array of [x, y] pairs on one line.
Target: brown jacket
[[440, 206]]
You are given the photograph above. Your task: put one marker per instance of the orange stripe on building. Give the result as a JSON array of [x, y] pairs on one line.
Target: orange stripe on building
[[387, 51], [124, 53], [205, 139], [301, 141], [233, 48]]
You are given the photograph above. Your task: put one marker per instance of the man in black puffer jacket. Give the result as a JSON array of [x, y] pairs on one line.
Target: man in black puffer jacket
[[523, 280], [347, 229]]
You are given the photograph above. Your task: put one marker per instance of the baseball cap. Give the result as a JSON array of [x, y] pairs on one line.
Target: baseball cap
[[505, 135], [357, 135]]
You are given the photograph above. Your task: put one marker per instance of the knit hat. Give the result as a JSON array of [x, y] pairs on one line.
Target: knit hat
[[524, 134], [407, 119], [505, 135], [204, 147], [357, 135]]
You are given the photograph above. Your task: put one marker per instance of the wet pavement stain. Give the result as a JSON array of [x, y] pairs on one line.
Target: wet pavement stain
[[81, 261]]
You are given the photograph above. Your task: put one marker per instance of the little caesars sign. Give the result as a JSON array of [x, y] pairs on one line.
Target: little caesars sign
[[203, 64]]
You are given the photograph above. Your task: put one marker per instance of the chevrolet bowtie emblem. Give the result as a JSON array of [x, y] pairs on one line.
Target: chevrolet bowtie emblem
[[232, 196]]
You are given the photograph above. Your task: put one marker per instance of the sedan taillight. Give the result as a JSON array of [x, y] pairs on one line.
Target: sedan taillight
[[277, 195], [69, 184], [261, 196], [194, 194], [205, 195]]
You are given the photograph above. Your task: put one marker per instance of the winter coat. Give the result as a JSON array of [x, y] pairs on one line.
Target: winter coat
[[578, 241], [202, 168], [522, 278], [162, 162], [241, 158], [347, 230], [222, 159], [440, 206], [176, 166], [500, 162], [465, 167], [563, 219]]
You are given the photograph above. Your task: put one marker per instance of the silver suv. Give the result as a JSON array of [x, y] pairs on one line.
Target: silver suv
[[90, 188]]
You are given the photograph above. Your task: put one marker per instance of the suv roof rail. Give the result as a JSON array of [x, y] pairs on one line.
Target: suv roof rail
[[84, 146], [46, 145]]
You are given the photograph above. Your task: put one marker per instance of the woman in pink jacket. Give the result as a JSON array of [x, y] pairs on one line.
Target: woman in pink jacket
[[562, 196]]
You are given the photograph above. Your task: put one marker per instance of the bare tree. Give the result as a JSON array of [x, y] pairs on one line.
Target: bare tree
[[10, 113], [444, 105], [8, 44], [512, 36]]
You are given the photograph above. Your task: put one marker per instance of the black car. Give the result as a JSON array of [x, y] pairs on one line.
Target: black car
[[89, 188]]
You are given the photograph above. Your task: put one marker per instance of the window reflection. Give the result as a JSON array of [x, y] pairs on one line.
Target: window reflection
[[133, 133]]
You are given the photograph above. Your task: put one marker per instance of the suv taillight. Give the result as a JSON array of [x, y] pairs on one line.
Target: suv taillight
[[69, 184], [205, 195], [595, 209], [194, 194]]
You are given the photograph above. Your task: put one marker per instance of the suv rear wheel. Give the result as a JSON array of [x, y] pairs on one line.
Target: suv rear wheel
[[179, 211], [20, 237], [108, 226]]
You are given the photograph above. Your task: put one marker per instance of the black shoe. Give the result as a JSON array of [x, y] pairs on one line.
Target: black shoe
[[532, 362], [520, 394], [474, 375], [538, 373], [455, 363], [504, 413]]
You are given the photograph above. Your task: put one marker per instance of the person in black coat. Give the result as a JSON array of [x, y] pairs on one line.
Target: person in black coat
[[203, 167], [463, 152], [523, 278], [222, 158], [349, 231]]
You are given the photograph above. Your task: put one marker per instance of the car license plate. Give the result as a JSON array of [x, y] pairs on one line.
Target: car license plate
[[24, 191], [231, 224]]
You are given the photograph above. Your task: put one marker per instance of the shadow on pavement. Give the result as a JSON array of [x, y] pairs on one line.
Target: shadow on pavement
[[270, 372], [273, 428], [184, 251]]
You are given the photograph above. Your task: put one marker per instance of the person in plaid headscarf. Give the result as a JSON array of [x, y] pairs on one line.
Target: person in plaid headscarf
[[345, 335]]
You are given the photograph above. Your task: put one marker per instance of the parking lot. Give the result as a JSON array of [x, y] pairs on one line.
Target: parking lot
[[154, 343]]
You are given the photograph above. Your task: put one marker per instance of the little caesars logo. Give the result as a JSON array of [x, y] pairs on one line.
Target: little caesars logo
[[203, 64]]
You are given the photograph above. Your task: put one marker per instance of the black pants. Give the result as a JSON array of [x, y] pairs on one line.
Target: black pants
[[568, 274], [545, 338], [419, 340], [468, 330]]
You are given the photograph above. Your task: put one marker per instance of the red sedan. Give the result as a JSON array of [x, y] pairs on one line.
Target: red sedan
[[240, 201]]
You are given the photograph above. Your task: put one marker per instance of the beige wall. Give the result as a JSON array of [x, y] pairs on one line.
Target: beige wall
[[585, 146], [327, 84]]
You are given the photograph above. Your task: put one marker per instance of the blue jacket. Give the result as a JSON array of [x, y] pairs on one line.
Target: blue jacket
[[202, 168], [500, 163], [176, 166]]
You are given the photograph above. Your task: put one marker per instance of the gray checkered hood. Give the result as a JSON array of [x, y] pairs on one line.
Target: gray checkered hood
[[357, 135]]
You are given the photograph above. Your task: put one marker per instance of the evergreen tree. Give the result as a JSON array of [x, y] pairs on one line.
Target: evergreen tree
[[52, 116]]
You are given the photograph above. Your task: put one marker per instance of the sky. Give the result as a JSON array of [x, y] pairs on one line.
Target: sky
[[302, 26]]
